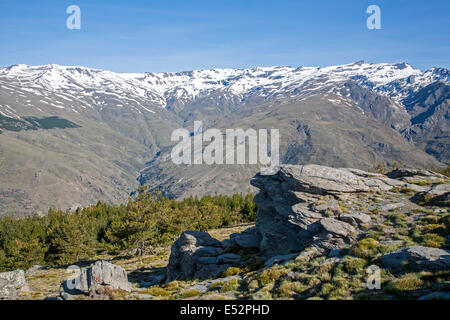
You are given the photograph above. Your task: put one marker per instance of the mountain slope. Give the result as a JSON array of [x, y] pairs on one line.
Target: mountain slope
[[117, 126]]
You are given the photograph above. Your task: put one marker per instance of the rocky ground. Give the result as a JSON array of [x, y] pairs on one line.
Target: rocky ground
[[321, 233]]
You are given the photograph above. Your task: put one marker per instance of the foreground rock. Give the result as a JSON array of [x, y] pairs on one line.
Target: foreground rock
[[95, 281], [438, 195], [197, 255], [287, 222], [11, 283], [414, 174], [310, 207], [418, 258]]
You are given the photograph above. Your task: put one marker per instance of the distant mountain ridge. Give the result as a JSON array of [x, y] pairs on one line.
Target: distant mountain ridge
[[355, 115], [393, 80]]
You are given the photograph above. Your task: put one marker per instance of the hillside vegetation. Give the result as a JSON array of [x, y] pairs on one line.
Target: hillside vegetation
[[150, 220]]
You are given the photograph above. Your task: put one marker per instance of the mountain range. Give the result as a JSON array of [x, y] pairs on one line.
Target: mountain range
[[70, 136]]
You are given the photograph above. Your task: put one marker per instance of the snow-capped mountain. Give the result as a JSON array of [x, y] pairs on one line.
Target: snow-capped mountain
[[160, 89], [113, 127]]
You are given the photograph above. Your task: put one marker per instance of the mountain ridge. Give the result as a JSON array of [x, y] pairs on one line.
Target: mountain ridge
[[356, 115]]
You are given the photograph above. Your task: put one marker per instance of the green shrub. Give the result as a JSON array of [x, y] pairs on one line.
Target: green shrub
[[190, 293], [404, 285], [271, 275], [354, 265], [231, 285], [61, 238], [158, 292], [231, 271], [366, 248], [433, 240]]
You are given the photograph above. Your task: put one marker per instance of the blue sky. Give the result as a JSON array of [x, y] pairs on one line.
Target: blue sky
[[172, 35]]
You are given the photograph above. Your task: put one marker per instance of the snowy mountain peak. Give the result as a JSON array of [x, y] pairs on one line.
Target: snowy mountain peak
[[394, 80]]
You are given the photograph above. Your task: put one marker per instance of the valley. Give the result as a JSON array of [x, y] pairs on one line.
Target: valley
[[71, 136]]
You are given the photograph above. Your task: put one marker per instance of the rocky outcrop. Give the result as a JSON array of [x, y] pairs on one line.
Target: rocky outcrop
[[302, 207], [11, 283], [288, 223], [406, 173], [418, 258], [438, 195], [249, 238], [95, 280], [196, 254]]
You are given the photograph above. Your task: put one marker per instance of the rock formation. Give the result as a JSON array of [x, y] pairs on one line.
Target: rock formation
[[197, 255], [302, 207], [95, 280], [419, 258], [11, 283]]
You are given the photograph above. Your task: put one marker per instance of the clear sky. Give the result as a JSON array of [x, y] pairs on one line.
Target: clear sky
[[172, 35]]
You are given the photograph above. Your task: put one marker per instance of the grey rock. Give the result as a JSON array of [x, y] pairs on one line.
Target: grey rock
[[355, 218], [34, 269], [440, 189], [198, 239], [409, 173], [207, 260], [391, 206], [337, 227], [12, 282], [419, 258], [193, 255], [207, 251], [197, 255], [438, 195], [334, 252], [7, 292], [94, 279], [286, 222], [152, 280], [103, 273], [415, 187], [320, 179], [329, 205], [226, 243], [230, 258], [279, 259], [210, 271], [249, 238], [332, 260]]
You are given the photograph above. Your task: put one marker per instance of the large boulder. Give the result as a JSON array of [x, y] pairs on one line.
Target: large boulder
[[438, 195], [287, 223], [12, 282], [316, 179], [355, 218], [249, 238], [414, 174], [104, 273], [196, 254], [418, 258], [336, 227], [93, 280]]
